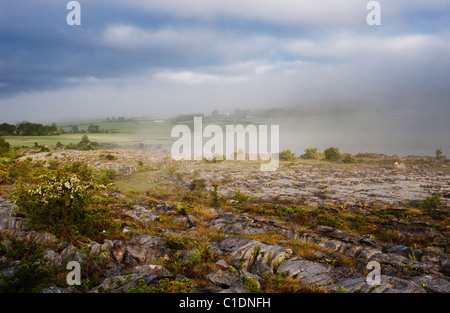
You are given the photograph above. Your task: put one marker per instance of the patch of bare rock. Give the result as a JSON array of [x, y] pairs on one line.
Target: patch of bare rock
[[134, 260]]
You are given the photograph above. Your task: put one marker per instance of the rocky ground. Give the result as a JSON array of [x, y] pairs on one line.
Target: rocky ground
[[331, 257]]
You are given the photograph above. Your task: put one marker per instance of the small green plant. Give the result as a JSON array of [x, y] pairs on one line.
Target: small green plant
[[276, 267], [431, 202], [282, 283], [197, 184], [363, 205], [393, 213], [256, 251], [412, 255], [215, 199], [289, 211], [216, 157], [329, 220], [439, 155], [202, 256], [164, 286], [177, 242], [241, 197], [182, 210], [341, 290], [252, 284]]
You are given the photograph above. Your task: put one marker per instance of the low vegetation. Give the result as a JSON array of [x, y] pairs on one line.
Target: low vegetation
[[4, 147], [287, 155], [32, 274], [62, 205], [312, 154], [332, 154], [75, 202]]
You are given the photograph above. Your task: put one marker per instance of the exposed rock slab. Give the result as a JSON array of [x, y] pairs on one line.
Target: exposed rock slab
[[138, 250], [308, 272], [388, 285], [251, 255]]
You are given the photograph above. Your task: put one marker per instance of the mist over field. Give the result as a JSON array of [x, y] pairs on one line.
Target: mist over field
[[364, 88]]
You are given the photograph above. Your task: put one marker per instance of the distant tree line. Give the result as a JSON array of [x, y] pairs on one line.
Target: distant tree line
[[92, 129], [28, 129], [34, 129]]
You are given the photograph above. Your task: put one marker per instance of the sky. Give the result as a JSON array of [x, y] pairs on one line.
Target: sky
[[156, 57]]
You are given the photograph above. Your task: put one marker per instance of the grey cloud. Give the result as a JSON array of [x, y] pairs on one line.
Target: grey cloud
[[203, 54]]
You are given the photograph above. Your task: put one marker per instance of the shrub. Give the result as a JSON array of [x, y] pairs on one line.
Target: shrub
[[216, 200], [81, 169], [106, 176], [312, 154], [85, 144], [241, 197], [32, 273], [348, 158], [332, 154], [20, 169], [176, 242], [182, 210], [4, 147], [197, 184], [440, 155], [60, 206], [287, 155], [216, 157], [431, 202], [45, 148]]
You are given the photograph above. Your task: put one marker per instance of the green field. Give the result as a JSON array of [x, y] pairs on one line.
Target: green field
[[148, 134], [144, 133], [148, 140]]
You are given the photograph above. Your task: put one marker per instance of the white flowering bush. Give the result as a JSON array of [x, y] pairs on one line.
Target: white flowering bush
[[61, 205]]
